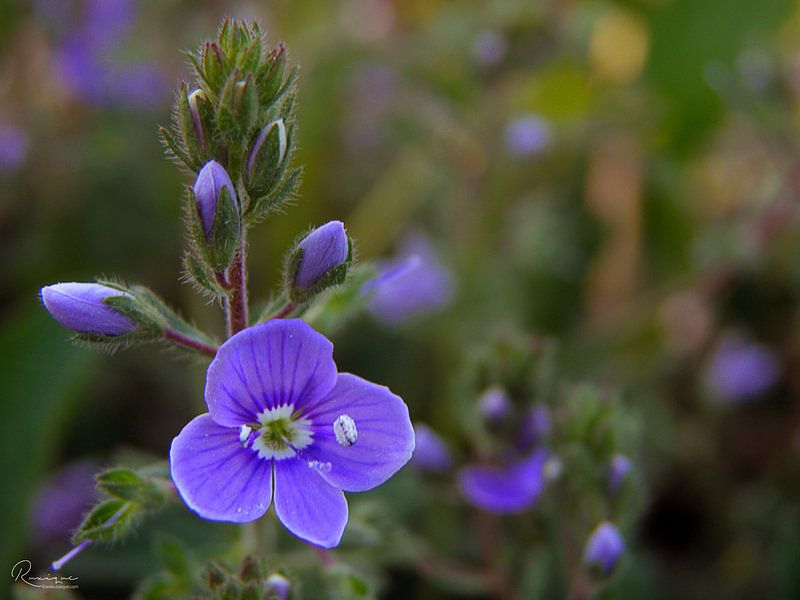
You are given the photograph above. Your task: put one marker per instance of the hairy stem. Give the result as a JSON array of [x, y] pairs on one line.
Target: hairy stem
[[188, 342], [285, 311], [236, 304]]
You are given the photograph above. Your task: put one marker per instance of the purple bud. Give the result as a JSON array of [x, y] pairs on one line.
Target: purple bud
[[81, 307], [207, 189], [618, 471], [430, 452], [494, 404], [604, 548], [535, 426], [526, 135], [323, 249], [740, 370], [280, 129], [278, 587]]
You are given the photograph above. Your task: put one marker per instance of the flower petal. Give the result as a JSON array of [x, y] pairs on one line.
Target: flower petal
[[216, 477], [281, 362], [385, 438], [307, 505], [510, 489]]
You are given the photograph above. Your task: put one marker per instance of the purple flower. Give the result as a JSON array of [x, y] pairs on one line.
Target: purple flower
[[527, 135], [208, 186], [535, 426], [494, 404], [283, 425], [81, 307], [604, 548], [14, 143], [431, 453], [62, 500], [511, 488], [618, 471], [323, 250], [740, 370], [412, 284], [489, 48]]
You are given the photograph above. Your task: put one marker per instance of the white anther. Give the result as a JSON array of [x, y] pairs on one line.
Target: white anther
[[344, 428], [244, 434]]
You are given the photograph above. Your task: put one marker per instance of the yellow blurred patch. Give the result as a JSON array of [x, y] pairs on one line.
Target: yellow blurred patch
[[618, 48]]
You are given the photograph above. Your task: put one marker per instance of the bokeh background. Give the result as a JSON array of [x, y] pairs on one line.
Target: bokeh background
[[621, 177]]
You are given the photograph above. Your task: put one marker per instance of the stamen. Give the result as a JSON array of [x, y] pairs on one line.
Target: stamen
[[244, 435], [344, 428]]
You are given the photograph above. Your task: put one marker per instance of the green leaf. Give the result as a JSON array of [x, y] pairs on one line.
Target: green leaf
[[108, 521]]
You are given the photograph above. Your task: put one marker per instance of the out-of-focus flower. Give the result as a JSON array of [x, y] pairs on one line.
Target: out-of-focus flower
[[281, 418], [489, 48], [494, 404], [430, 453], [511, 488], [740, 370], [323, 250], [535, 426], [414, 283], [14, 143], [604, 548], [62, 501], [277, 587], [527, 135], [82, 308], [618, 470]]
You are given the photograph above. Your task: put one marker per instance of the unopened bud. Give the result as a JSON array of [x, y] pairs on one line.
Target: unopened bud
[[216, 228], [278, 587], [82, 307], [494, 404], [604, 548], [319, 261]]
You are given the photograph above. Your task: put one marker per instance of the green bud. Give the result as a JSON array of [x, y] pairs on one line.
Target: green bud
[[214, 65], [265, 159]]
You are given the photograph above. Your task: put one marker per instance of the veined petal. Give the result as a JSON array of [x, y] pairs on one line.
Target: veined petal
[[282, 362], [216, 477], [307, 505], [385, 437], [509, 489]]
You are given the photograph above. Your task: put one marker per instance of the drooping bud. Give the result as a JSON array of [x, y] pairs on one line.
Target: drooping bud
[[277, 587], [266, 157], [494, 404], [430, 452], [82, 307], [604, 548], [319, 261], [618, 472], [216, 216]]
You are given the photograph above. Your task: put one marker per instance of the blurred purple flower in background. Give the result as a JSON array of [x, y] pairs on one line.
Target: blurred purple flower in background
[[527, 135], [489, 48], [62, 501], [431, 452], [494, 404], [535, 426], [14, 144], [604, 548], [413, 283], [618, 470], [511, 488], [740, 370], [372, 89], [87, 62]]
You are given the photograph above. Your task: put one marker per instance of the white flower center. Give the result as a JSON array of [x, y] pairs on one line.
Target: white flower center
[[344, 428], [280, 435]]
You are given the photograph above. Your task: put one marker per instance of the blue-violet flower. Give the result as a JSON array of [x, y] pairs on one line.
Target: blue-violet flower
[[275, 402], [604, 548]]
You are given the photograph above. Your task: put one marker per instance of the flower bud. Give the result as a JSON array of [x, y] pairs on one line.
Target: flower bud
[[215, 220], [430, 452], [618, 471], [320, 260], [213, 63], [238, 107], [278, 587], [494, 404], [195, 99], [604, 548], [209, 186], [266, 157], [82, 308], [535, 426]]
